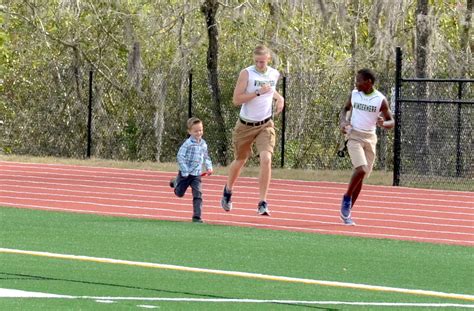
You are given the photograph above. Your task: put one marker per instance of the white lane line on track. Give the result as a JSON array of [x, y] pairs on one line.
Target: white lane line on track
[[158, 189], [286, 183], [295, 205], [410, 237], [239, 195], [99, 177], [276, 207], [259, 276], [285, 188], [468, 215], [82, 168], [308, 217], [128, 172]]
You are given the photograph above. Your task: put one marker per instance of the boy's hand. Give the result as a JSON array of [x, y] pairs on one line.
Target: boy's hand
[[279, 105], [207, 173], [346, 127], [380, 121], [265, 88]]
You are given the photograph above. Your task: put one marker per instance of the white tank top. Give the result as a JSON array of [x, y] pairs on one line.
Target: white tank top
[[365, 110], [260, 107]]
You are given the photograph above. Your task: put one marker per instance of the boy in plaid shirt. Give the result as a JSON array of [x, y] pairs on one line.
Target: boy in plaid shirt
[[191, 156]]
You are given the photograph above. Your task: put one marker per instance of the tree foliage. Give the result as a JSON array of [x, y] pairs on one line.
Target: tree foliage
[[141, 54]]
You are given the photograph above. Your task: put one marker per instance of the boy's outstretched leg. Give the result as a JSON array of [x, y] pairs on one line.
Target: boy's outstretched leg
[[234, 172], [196, 187], [353, 190]]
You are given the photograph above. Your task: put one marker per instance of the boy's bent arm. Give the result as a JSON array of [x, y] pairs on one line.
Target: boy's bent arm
[[388, 122], [343, 122], [240, 96], [280, 101], [183, 167], [207, 159]]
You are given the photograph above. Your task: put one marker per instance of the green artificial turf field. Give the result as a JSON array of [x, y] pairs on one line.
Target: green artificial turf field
[[377, 262]]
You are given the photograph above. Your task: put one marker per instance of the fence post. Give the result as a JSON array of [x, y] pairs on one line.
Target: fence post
[[458, 133], [89, 116], [283, 124], [190, 95], [397, 138]]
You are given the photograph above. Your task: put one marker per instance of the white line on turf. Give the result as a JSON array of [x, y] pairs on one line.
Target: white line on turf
[[243, 274], [13, 293], [16, 293]]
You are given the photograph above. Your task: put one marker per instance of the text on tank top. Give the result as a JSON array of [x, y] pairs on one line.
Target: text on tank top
[[260, 107], [365, 110]]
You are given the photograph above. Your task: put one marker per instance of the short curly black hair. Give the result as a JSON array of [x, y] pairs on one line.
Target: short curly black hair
[[367, 74]]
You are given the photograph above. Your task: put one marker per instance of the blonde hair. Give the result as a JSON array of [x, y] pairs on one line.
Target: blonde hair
[[262, 50], [191, 121]]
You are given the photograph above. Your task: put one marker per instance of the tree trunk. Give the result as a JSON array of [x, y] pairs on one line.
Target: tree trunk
[[273, 26], [466, 72], [465, 39], [158, 97], [354, 16], [209, 9], [419, 111], [184, 68], [134, 67], [423, 33]]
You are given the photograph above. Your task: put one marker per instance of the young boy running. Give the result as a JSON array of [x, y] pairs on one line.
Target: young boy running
[[191, 156]]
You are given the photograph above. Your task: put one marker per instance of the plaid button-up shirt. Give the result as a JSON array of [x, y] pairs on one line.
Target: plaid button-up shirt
[[192, 155]]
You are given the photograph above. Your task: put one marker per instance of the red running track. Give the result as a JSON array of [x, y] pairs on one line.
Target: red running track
[[422, 215]]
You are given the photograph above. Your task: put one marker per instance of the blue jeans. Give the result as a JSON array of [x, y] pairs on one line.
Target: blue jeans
[[182, 184]]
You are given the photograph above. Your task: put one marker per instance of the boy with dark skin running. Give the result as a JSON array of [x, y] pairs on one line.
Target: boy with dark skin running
[[369, 108]]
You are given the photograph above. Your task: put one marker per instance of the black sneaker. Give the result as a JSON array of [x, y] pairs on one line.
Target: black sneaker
[[173, 182], [263, 208], [226, 201], [197, 220]]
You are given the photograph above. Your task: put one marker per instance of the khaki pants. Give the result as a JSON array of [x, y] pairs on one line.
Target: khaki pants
[[361, 147], [244, 136]]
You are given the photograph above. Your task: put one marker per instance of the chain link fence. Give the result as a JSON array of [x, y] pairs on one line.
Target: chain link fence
[[149, 124], [432, 145], [434, 142], [311, 136]]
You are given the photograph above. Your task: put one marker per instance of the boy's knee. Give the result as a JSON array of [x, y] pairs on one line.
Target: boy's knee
[[240, 162], [362, 170], [179, 194], [197, 194], [265, 158]]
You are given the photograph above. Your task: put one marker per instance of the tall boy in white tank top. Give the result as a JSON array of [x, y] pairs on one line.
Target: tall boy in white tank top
[[255, 92], [369, 108]]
